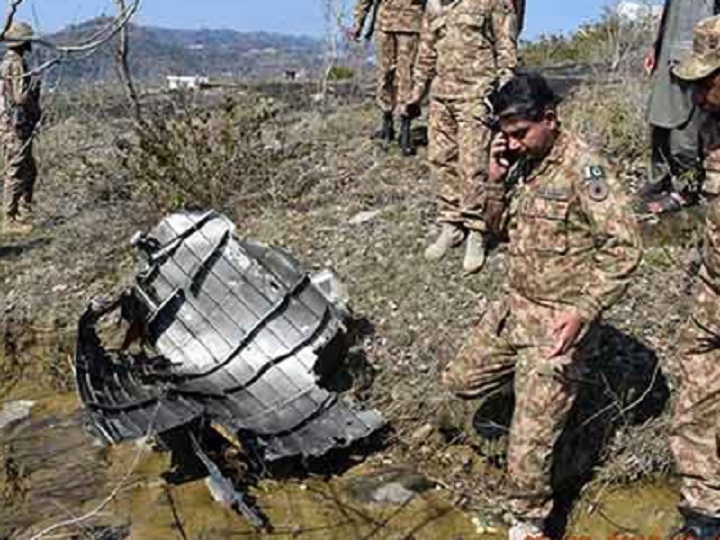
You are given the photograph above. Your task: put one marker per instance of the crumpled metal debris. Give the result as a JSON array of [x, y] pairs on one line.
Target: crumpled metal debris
[[241, 334]]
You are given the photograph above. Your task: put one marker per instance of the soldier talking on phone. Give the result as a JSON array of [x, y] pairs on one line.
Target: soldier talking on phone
[[574, 245]]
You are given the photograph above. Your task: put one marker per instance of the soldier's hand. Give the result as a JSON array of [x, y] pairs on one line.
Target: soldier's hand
[[354, 33], [649, 62], [565, 332], [499, 163]]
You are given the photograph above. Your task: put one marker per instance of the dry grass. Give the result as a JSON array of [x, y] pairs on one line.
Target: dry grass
[[295, 178]]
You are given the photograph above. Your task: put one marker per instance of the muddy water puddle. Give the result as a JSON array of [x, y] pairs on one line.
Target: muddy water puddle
[[51, 471], [58, 473]]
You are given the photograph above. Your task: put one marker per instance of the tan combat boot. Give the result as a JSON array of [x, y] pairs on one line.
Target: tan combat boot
[[450, 236], [16, 227], [19, 223], [475, 253]]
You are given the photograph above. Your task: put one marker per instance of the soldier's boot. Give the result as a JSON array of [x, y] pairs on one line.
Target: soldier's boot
[[450, 236], [25, 213], [527, 530], [387, 129], [406, 144], [698, 527], [475, 253], [16, 227]]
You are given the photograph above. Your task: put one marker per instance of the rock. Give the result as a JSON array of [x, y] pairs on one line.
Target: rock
[[392, 493], [392, 484], [364, 217], [15, 411], [422, 433]]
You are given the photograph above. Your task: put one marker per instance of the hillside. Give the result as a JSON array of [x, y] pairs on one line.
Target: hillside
[[157, 52]]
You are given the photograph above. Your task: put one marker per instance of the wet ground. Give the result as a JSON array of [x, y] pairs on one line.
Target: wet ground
[[53, 473]]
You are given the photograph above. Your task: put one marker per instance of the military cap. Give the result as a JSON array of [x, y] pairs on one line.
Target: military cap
[[18, 34], [705, 59]]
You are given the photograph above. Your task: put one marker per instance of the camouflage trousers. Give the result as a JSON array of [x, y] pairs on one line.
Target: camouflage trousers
[[20, 173], [458, 150], [510, 346], [695, 435], [396, 53]]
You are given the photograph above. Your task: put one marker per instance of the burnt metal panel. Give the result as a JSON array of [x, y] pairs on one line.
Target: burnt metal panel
[[240, 328]]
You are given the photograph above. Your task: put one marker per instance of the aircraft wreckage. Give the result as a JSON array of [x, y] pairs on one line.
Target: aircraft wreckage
[[235, 334]]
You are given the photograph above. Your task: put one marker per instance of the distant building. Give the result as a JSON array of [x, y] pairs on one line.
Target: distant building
[[637, 11], [177, 82]]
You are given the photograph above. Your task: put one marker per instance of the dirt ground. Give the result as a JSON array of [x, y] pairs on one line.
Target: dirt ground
[[365, 212]]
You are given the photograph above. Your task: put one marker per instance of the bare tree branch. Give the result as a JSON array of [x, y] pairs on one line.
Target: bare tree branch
[[98, 39], [86, 47], [121, 55], [10, 17]]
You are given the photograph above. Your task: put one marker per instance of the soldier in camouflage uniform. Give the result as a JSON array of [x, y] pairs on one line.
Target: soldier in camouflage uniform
[[467, 47], [396, 42], [574, 244], [20, 113], [695, 435]]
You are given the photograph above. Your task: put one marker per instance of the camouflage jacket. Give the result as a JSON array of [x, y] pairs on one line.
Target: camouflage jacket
[[20, 103], [393, 15], [466, 48], [573, 237], [710, 135]]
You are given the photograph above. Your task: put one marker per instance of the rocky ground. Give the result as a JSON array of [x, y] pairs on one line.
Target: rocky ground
[[336, 200]]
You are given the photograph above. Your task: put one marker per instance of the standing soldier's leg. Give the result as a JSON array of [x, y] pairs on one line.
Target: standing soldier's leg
[[386, 44], [660, 177], [474, 142], [20, 172], [684, 147], [695, 436], [545, 390], [443, 158], [29, 176], [675, 159], [13, 178], [407, 48]]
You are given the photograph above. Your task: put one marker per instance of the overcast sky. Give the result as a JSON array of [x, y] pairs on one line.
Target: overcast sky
[[287, 16]]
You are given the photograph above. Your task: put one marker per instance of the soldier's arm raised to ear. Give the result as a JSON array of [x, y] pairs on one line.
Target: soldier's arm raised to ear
[[618, 243], [505, 31]]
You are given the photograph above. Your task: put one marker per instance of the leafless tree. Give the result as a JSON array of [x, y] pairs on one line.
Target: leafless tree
[[121, 56], [83, 48], [334, 13]]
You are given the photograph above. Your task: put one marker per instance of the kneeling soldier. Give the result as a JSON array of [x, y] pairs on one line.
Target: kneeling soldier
[[574, 244]]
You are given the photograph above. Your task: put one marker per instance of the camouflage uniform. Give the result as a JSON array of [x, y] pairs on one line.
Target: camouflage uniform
[[573, 246], [20, 112], [396, 42], [695, 435], [695, 432], [465, 49]]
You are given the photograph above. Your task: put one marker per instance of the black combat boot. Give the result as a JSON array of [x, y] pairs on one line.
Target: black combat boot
[[697, 527], [387, 131], [406, 136]]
